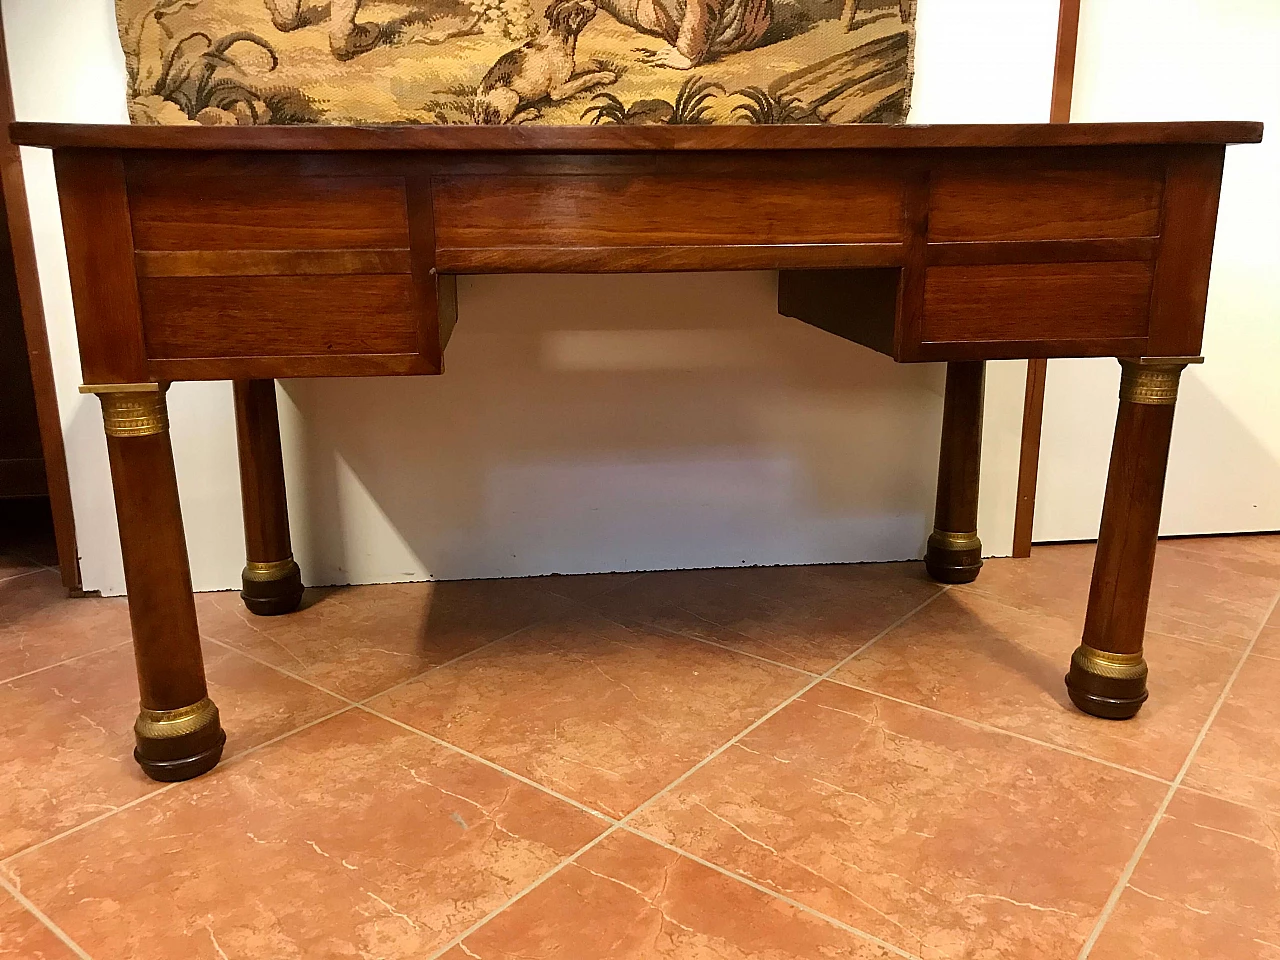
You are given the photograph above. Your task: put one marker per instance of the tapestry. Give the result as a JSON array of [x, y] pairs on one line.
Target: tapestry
[[249, 62]]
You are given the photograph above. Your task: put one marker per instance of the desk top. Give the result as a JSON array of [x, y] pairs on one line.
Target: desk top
[[620, 139]]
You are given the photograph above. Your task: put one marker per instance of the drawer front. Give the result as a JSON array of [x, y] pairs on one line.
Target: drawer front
[[267, 269], [1045, 204], [683, 221], [1036, 302]]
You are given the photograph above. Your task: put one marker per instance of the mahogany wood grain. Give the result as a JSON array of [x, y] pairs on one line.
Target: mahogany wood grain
[[667, 259], [99, 241], [262, 489], [954, 553], [671, 210], [1007, 200], [528, 137], [162, 611], [268, 263], [283, 367], [1181, 290], [205, 317], [1029, 457], [1058, 301], [268, 213]]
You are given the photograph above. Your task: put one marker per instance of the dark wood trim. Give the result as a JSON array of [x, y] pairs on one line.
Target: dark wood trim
[[1029, 460], [1064, 78], [280, 368], [33, 322], [666, 259], [625, 139], [1064, 61], [1040, 251]]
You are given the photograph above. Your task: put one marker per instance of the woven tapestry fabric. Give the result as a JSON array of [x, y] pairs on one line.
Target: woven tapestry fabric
[[244, 62]]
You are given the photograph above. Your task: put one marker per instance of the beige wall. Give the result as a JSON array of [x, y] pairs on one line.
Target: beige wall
[[586, 423]]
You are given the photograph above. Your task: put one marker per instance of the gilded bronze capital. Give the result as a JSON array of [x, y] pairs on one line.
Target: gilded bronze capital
[[132, 409], [1153, 380]]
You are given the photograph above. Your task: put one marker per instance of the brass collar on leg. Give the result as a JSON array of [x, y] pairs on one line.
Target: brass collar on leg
[[1116, 666], [267, 571], [955, 542], [1153, 380], [132, 409], [167, 724]]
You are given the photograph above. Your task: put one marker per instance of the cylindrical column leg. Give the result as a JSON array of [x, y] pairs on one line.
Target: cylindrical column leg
[[954, 554], [272, 583], [1108, 675], [178, 732]]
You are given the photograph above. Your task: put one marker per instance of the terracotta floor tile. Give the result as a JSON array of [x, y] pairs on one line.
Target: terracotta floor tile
[[1207, 888], [1193, 595], [66, 734], [944, 839], [582, 586], [629, 899], [1257, 555], [358, 641], [40, 626], [352, 838], [1268, 644], [23, 937], [805, 617], [979, 658], [599, 712], [1240, 757], [15, 565]]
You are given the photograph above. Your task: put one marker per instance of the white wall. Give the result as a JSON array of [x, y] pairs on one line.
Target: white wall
[[1187, 60], [586, 423]]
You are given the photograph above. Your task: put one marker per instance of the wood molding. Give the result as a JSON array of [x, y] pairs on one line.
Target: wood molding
[[33, 322], [1064, 76]]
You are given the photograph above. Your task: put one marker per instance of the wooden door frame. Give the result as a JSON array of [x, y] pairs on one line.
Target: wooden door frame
[[33, 323], [1064, 74]]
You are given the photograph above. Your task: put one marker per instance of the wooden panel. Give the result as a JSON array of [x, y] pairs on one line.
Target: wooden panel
[[1074, 301], [268, 263], [857, 305], [279, 316], [672, 210], [1181, 290], [95, 222], [268, 213], [1015, 202]]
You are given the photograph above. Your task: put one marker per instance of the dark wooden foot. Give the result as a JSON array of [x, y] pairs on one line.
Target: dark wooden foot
[[178, 732], [1108, 675], [271, 581], [954, 553]]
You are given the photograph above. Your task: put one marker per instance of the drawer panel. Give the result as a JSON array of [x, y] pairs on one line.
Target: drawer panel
[[1045, 204], [665, 211], [1029, 302], [268, 213], [196, 317]]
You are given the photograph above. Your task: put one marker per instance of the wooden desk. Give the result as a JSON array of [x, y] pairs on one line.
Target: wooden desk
[[255, 253]]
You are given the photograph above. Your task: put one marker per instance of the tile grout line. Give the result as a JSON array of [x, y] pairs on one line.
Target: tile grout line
[[622, 824], [542, 788], [40, 915], [158, 791], [979, 725], [25, 573], [349, 704], [1127, 874], [79, 656], [755, 885], [969, 721]]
